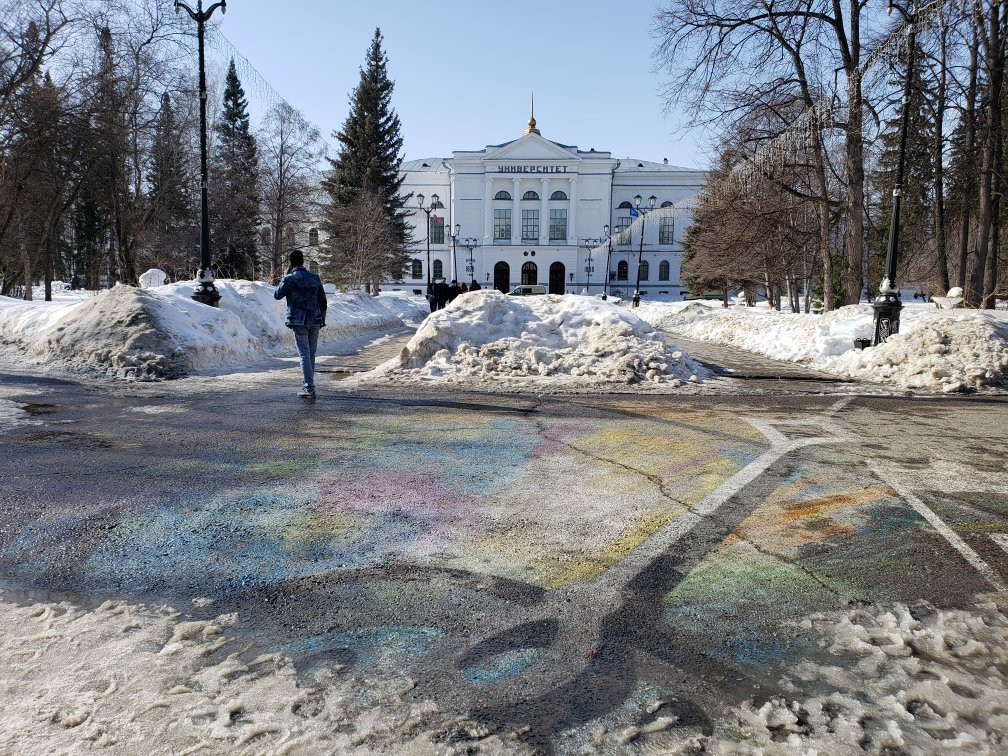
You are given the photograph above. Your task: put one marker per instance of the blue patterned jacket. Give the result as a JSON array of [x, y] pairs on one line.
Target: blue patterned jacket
[[306, 299]]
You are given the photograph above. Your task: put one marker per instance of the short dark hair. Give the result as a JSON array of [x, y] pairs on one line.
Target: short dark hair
[[297, 257]]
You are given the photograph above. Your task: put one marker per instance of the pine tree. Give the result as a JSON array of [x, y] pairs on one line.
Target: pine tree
[[916, 206], [234, 186], [369, 160], [174, 222]]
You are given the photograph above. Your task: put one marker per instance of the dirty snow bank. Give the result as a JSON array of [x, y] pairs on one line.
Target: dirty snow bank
[[497, 341], [907, 679], [162, 333], [125, 679], [934, 351]]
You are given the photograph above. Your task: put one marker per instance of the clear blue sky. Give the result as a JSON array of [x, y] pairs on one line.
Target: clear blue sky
[[463, 71]]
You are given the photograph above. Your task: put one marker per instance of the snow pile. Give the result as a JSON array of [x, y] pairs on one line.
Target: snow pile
[[125, 678], [908, 680], [499, 341], [162, 332], [934, 351]]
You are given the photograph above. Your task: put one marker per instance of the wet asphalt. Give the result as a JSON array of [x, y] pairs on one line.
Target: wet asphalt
[[243, 493]]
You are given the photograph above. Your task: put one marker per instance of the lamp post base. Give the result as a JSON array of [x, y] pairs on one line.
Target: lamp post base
[[205, 291], [887, 317]]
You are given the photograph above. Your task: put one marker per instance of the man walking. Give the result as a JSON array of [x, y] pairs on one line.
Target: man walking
[[306, 310]]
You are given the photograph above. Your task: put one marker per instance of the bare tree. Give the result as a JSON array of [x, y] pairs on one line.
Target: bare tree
[[359, 255], [290, 153]]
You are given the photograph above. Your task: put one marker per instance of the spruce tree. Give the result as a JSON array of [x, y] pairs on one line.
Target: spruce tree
[[234, 186], [368, 161], [174, 222]]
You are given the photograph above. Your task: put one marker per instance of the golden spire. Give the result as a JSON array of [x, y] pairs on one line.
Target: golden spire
[[531, 125]]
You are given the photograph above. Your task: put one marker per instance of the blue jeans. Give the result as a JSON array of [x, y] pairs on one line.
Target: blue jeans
[[307, 340]]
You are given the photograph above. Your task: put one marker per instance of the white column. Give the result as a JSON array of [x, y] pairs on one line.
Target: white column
[[572, 236], [544, 212], [516, 209], [488, 209]]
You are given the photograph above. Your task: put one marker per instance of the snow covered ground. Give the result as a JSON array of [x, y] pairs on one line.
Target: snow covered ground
[[496, 342], [144, 334], [936, 350], [125, 678]]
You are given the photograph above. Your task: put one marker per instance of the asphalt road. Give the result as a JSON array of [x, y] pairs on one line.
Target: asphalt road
[[535, 563]]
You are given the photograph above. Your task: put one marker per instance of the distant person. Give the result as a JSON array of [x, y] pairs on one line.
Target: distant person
[[441, 292], [432, 296], [463, 287], [306, 311], [474, 286], [454, 291]]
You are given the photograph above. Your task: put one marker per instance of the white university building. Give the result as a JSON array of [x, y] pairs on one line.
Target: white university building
[[534, 211]]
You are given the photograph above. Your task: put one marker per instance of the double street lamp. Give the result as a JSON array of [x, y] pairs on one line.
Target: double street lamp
[[887, 305], [471, 244], [434, 204], [642, 211], [589, 244], [205, 290], [454, 234]]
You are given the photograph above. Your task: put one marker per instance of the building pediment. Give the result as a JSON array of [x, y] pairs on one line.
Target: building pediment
[[530, 147]]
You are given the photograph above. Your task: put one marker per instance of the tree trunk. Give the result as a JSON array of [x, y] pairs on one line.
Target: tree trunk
[[969, 159], [938, 155], [854, 225], [993, 63]]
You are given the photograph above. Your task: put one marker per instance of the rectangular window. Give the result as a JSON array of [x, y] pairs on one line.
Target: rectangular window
[[502, 225], [530, 225], [666, 229], [620, 233], [558, 225], [436, 230]]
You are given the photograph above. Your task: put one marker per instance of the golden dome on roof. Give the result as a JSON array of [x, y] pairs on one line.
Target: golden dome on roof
[[532, 122]]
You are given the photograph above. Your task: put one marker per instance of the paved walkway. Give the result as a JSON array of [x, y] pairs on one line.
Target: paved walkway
[[367, 358], [738, 363]]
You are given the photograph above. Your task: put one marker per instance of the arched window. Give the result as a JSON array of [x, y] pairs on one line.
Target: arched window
[[529, 274], [417, 269], [666, 203], [438, 269], [645, 270], [558, 195], [624, 205], [621, 270], [312, 237], [663, 270], [502, 195], [530, 195], [439, 205]]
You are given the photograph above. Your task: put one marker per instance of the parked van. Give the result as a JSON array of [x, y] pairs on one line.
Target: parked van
[[526, 290]]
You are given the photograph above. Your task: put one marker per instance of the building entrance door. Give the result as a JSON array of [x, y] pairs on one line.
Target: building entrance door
[[502, 277], [557, 272], [530, 274]]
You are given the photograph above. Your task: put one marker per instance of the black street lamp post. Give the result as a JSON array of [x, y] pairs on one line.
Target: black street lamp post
[[205, 290], [471, 244], [454, 234], [640, 252], [887, 305], [589, 244], [608, 257], [428, 210]]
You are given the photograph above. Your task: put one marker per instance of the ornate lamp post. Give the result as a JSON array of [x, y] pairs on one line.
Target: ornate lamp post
[[608, 257], [887, 305], [471, 244], [454, 234], [589, 244], [428, 210], [642, 211], [205, 290]]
